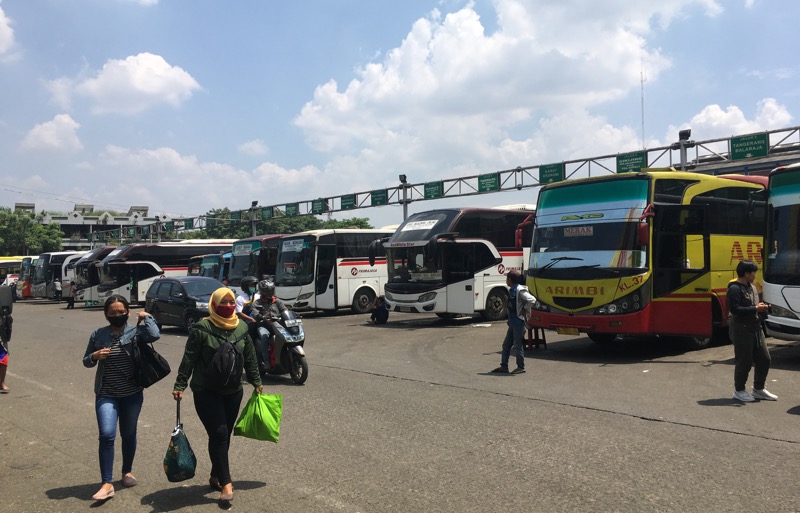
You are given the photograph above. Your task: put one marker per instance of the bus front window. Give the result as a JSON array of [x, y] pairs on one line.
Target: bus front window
[[295, 263], [414, 265], [782, 265]]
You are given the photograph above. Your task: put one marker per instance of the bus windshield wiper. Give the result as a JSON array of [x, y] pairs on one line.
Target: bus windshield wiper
[[556, 260]]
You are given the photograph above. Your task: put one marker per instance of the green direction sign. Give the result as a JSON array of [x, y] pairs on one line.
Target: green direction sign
[[292, 209], [236, 215], [489, 183], [146, 230], [348, 201], [631, 162], [170, 226], [211, 222], [434, 190], [550, 173], [749, 146], [318, 206], [379, 197], [115, 234], [266, 212], [188, 224], [131, 232], [89, 237]]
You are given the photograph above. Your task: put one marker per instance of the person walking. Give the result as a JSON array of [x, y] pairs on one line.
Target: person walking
[[118, 399], [747, 335], [516, 328], [71, 296], [217, 406], [57, 290]]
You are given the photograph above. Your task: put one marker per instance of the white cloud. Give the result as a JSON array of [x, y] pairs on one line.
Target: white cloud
[[715, 122], [254, 148], [59, 134], [60, 91], [136, 84], [6, 33]]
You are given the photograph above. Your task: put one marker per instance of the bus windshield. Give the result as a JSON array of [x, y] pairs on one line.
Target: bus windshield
[[567, 236], [783, 245], [295, 261], [413, 264]]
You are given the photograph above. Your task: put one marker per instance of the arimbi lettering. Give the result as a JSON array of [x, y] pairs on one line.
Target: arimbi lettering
[[753, 252], [577, 290]]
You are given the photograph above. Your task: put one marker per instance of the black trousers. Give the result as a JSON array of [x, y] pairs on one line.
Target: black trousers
[[218, 414], [750, 351]]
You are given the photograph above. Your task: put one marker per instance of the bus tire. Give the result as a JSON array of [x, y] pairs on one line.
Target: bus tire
[[496, 305], [602, 338], [362, 300]]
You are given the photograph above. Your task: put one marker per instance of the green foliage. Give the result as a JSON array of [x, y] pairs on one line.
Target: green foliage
[[22, 234], [220, 225]]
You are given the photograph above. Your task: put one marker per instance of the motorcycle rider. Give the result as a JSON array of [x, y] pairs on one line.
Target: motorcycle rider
[[265, 307], [245, 312]]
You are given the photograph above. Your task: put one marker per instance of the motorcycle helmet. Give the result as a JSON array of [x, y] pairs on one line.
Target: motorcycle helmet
[[248, 282], [266, 288]]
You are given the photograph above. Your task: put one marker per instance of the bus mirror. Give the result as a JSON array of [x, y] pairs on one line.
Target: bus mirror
[[518, 238], [373, 250], [643, 234]]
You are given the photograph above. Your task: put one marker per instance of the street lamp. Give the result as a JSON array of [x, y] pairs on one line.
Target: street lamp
[[404, 182], [683, 144]]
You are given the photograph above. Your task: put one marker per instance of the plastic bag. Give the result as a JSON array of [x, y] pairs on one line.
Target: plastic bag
[[261, 418], [179, 461]]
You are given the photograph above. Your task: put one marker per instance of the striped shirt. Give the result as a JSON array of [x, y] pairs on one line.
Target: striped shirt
[[118, 373]]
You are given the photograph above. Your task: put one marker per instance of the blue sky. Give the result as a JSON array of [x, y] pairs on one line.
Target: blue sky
[[188, 106]]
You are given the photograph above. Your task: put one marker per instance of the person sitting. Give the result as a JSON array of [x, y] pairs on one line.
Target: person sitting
[[380, 314]]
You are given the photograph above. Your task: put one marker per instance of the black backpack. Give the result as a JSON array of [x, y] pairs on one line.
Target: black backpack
[[226, 366]]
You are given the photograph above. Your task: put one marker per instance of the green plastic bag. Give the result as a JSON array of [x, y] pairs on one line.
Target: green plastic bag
[[261, 417]]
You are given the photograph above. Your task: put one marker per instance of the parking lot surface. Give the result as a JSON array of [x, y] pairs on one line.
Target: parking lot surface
[[405, 417]]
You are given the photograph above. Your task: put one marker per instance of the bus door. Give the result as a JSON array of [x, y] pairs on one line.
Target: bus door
[[464, 262], [681, 279], [325, 286]]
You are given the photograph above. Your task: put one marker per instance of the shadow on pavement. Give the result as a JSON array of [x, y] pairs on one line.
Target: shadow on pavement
[[723, 401], [172, 499]]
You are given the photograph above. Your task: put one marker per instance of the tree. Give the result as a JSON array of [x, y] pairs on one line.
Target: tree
[[220, 225], [23, 234]]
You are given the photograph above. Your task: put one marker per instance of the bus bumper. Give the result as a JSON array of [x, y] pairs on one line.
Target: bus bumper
[[785, 329], [629, 324]]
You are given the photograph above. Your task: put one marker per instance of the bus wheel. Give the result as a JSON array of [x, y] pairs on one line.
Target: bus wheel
[[495, 306], [362, 301], [602, 338]]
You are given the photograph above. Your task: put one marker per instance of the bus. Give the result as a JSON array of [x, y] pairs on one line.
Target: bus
[[25, 276], [645, 253], [130, 270], [453, 261], [329, 269], [10, 268], [781, 270], [213, 265], [87, 277], [253, 256], [49, 267]]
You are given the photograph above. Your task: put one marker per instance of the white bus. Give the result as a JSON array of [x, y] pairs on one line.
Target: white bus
[[49, 267], [329, 269], [253, 256], [453, 261], [130, 270], [87, 277], [781, 273]]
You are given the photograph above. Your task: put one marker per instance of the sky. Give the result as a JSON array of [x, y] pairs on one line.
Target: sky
[[187, 106]]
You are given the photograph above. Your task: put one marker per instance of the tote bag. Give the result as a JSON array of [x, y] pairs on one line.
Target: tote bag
[[261, 418], [179, 461], [150, 366]]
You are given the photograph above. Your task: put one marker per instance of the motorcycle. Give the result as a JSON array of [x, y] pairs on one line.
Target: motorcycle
[[284, 351]]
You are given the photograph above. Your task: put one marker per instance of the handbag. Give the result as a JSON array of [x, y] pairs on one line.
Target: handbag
[[150, 366], [261, 418], [179, 461]]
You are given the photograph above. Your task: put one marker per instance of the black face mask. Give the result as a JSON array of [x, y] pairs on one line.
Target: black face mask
[[117, 320]]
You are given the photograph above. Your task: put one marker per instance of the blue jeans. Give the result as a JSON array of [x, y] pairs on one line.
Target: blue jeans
[[513, 341], [109, 410]]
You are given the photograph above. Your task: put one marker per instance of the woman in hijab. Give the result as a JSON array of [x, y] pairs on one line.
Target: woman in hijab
[[217, 405]]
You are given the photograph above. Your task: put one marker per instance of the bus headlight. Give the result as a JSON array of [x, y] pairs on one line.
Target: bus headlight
[[304, 296], [626, 304], [779, 311], [538, 305], [388, 296], [424, 298]]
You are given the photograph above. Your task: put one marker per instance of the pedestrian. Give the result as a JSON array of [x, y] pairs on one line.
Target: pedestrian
[[380, 314], [217, 406], [57, 290], [117, 396], [747, 334], [5, 337], [513, 341], [73, 290]]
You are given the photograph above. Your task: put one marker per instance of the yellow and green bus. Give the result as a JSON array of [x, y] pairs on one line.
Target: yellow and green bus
[[647, 253]]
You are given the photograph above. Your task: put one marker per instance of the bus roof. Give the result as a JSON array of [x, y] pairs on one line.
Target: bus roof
[[266, 236], [319, 233], [656, 173]]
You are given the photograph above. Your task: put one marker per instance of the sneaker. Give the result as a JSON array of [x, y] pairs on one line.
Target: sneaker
[[500, 370], [518, 370], [764, 394], [742, 395]]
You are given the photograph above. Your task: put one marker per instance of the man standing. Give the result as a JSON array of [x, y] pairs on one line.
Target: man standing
[[57, 290], [744, 327], [515, 332]]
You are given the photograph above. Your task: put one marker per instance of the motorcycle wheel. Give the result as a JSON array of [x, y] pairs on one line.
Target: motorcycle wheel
[[298, 369]]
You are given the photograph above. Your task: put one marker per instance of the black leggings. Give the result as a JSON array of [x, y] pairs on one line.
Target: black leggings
[[218, 414]]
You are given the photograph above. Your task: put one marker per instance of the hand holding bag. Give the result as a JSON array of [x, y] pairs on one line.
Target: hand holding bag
[[261, 417], [179, 462], [151, 367]]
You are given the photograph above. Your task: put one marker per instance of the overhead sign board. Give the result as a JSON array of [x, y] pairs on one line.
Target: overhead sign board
[[489, 182], [380, 197], [434, 190], [266, 212], [749, 146], [550, 173], [319, 206], [188, 223], [292, 209], [631, 162], [348, 201]]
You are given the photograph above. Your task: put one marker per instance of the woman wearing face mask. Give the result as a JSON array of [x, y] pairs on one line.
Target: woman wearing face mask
[[217, 406], [118, 397]]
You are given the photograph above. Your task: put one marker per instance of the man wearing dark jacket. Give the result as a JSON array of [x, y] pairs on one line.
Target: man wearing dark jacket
[[744, 327]]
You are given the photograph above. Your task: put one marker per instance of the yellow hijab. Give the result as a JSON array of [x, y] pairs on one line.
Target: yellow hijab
[[226, 323]]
